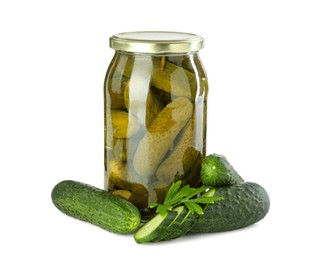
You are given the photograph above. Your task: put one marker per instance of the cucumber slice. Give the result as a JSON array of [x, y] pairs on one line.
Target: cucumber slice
[[181, 212], [151, 230], [185, 224], [182, 226]]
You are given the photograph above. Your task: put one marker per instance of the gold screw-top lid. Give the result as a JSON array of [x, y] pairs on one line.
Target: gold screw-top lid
[[156, 42]]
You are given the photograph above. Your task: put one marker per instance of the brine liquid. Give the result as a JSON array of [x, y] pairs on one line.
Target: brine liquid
[[155, 125]]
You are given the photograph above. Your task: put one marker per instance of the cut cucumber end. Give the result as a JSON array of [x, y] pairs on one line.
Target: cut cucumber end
[[142, 235], [154, 228], [166, 231]]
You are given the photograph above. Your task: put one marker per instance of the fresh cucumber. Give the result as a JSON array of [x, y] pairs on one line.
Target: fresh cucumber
[[185, 224], [244, 204], [216, 171], [96, 206], [178, 229], [156, 226], [173, 225], [181, 213]]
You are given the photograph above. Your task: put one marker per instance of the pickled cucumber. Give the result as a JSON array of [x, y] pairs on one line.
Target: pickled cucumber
[[119, 148], [192, 177], [116, 92], [118, 171], [163, 96], [193, 65], [155, 109], [125, 194], [145, 107], [184, 61], [182, 83], [181, 159], [108, 83], [124, 125], [160, 136], [123, 65], [160, 190], [115, 81], [120, 178], [124, 148]]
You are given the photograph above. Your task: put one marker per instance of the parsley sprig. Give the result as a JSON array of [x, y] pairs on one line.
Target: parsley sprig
[[178, 195]]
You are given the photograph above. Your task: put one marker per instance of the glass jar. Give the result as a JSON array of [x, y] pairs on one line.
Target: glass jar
[[155, 104]]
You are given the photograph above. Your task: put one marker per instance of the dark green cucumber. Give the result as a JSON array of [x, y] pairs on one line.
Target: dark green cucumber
[[156, 226], [216, 171], [177, 230], [185, 224], [181, 213], [243, 205], [96, 206]]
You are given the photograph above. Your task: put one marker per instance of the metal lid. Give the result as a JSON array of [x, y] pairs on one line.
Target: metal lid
[[156, 42]]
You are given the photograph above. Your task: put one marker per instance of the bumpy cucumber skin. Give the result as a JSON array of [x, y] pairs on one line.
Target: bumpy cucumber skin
[[96, 206], [182, 158], [243, 205], [216, 171], [160, 135]]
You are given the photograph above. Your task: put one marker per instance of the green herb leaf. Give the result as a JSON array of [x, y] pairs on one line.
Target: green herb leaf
[[162, 209], [207, 200], [185, 195], [195, 192], [193, 207], [153, 205], [183, 192], [172, 191]]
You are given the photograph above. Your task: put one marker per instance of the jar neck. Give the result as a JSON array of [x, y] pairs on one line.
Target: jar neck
[[127, 61], [157, 54]]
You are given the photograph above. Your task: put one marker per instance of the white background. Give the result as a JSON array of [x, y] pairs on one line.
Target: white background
[[265, 62]]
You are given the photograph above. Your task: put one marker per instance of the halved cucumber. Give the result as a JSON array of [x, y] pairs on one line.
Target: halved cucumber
[[171, 226], [181, 213], [181, 227], [151, 230]]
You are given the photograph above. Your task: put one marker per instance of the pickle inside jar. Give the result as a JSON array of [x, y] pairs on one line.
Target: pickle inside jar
[[157, 139]]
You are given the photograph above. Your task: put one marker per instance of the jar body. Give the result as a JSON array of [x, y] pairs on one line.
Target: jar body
[[155, 125]]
